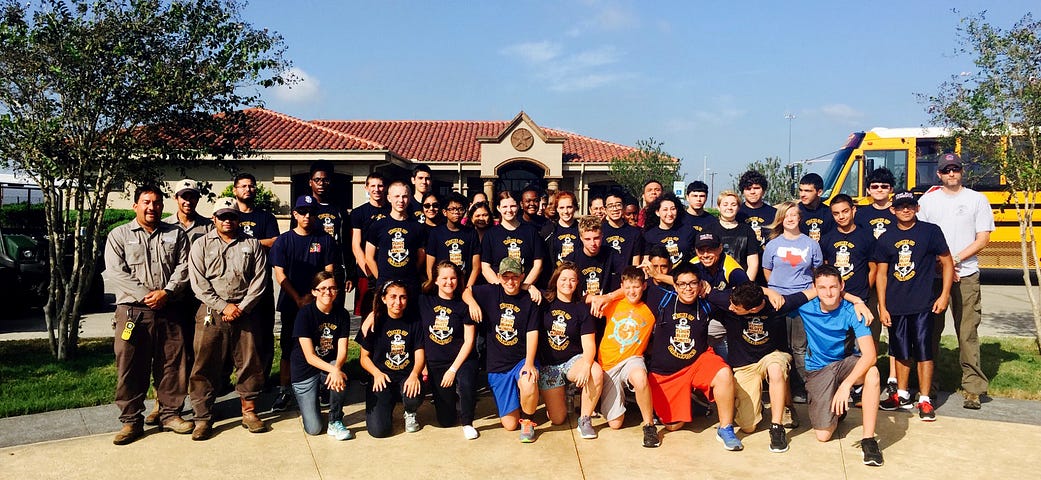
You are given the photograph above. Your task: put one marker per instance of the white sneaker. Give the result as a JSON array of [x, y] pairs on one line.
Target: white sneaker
[[411, 424], [338, 431], [470, 432]]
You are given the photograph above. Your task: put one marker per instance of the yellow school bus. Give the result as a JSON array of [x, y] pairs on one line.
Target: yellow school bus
[[912, 155]]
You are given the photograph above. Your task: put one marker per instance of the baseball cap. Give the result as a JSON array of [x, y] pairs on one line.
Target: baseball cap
[[949, 160], [510, 265], [707, 240], [225, 205], [187, 185], [304, 201], [904, 198]]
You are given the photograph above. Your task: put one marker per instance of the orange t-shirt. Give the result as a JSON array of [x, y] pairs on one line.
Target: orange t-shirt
[[628, 328]]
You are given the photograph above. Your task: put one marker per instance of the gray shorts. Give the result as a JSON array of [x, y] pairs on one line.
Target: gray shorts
[[821, 386], [612, 399], [555, 376]]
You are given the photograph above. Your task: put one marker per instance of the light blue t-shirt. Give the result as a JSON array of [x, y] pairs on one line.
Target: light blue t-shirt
[[791, 263], [826, 332]]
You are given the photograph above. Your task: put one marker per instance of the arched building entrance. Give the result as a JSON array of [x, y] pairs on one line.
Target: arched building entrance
[[517, 175]]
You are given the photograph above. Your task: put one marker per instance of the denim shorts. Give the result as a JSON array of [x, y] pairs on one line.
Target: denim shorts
[[555, 376]]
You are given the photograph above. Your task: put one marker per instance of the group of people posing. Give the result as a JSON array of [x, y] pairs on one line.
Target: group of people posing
[[663, 304]]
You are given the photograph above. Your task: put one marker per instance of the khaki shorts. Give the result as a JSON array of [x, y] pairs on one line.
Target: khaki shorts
[[749, 379], [821, 386], [612, 400]]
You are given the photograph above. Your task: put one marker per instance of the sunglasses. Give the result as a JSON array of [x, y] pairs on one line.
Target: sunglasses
[[879, 186], [429, 206], [950, 169], [228, 217], [305, 212], [322, 180]]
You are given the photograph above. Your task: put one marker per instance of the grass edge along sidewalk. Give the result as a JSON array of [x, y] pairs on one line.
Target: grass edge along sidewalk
[[33, 382]]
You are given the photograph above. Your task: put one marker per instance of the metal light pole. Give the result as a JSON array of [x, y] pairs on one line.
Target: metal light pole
[[790, 117]]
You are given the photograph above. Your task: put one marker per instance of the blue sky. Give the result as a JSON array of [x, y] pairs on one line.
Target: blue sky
[[708, 79]]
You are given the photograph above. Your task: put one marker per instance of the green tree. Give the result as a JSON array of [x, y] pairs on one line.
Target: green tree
[[648, 162], [782, 179], [995, 111], [97, 94], [265, 199]]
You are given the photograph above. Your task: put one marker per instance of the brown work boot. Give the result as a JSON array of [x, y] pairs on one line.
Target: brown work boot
[[129, 433], [202, 431], [153, 418], [177, 424], [250, 420]]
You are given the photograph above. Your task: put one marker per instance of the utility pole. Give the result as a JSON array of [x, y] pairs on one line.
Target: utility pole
[[790, 117], [712, 188]]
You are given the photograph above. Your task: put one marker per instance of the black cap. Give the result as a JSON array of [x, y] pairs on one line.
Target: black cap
[[904, 198], [707, 240]]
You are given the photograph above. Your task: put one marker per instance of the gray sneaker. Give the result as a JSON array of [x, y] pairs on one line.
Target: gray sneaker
[[411, 424], [790, 419], [585, 427]]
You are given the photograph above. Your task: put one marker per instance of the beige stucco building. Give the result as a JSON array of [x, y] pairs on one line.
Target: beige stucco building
[[465, 156]]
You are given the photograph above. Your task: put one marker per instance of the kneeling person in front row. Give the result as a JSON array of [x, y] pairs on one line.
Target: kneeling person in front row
[[393, 353], [512, 340], [681, 361], [831, 372]]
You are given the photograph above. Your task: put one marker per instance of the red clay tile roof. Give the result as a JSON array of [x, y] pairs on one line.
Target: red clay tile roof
[[278, 131], [423, 140], [456, 140]]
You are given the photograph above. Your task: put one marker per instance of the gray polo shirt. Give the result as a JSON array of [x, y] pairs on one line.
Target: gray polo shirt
[[138, 262], [223, 273], [198, 227]]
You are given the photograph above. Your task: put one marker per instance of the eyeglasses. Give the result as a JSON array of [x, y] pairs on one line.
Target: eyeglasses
[[612, 206], [879, 186], [455, 209], [428, 206], [680, 285], [327, 289], [950, 169], [322, 180]]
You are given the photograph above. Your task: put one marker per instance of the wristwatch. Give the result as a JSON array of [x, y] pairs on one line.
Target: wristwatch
[[957, 259]]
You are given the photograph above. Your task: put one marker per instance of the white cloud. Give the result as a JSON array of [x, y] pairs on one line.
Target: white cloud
[[719, 111], [582, 70], [307, 88], [533, 52], [841, 112]]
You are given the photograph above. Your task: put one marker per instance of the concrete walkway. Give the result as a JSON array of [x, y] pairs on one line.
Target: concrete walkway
[[912, 449]]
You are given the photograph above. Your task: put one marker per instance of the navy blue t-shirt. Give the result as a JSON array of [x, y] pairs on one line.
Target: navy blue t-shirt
[[324, 330], [758, 219], [911, 258], [699, 223], [397, 243], [626, 242], [523, 244], [874, 220], [458, 247], [595, 274], [678, 241], [561, 244], [680, 336], [443, 322], [415, 211], [258, 224], [815, 223], [850, 253], [393, 345], [751, 337], [301, 256], [658, 296], [364, 215], [563, 325], [507, 319]]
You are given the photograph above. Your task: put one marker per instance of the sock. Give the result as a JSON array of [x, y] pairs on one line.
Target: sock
[[924, 398], [891, 380], [903, 393]]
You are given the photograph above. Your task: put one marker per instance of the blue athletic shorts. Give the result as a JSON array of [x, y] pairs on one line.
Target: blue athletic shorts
[[910, 337], [504, 388]]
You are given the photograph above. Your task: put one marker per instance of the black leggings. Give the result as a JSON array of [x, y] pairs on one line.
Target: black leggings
[[463, 392], [379, 407]]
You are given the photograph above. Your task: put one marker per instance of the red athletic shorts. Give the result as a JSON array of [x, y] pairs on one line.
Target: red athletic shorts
[[671, 393]]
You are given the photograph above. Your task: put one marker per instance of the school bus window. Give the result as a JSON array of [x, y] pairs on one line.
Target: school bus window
[[894, 160], [851, 186]]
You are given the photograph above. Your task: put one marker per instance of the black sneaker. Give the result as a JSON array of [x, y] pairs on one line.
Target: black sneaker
[[650, 436], [872, 455], [857, 396], [778, 438], [896, 402], [282, 401], [890, 389]]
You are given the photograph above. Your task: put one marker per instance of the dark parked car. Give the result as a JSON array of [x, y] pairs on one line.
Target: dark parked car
[[24, 273]]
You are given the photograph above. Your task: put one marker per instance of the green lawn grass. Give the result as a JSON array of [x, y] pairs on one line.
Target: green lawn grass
[[31, 381]]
